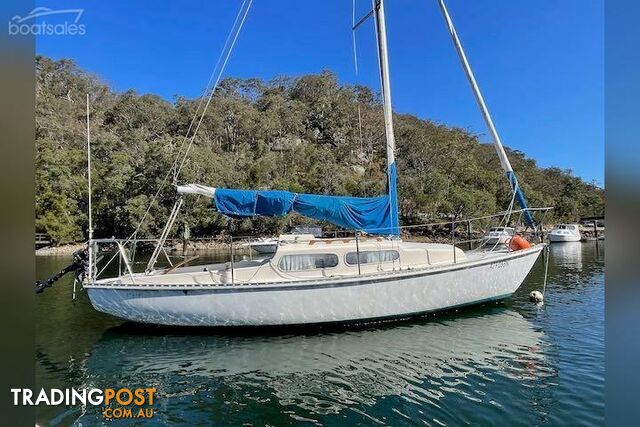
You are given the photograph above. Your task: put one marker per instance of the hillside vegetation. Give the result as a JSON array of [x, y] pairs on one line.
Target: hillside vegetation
[[300, 134]]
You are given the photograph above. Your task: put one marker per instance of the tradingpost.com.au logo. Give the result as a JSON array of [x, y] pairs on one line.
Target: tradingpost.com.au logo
[[114, 403], [63, 22]]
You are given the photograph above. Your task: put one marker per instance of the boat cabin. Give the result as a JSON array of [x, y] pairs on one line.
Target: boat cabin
[[319, 258], [310, 259]]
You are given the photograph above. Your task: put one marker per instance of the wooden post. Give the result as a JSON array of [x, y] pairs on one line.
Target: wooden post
[[469, 230], [595, 230]]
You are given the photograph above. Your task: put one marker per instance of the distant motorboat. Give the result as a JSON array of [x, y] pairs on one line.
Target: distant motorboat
[[264, 245], [565, 233], [300, 233], [499, 235]]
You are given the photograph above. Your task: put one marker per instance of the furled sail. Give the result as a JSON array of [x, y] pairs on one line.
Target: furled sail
[[373, 215]]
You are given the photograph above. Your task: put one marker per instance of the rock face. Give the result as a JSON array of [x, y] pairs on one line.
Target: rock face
[[285, 143], [205, 245], [358, 170], [60, 250]]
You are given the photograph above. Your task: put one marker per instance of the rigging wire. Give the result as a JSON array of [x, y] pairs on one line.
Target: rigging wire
[[217, 81], [546, 271], [207, 89], [177, 167]]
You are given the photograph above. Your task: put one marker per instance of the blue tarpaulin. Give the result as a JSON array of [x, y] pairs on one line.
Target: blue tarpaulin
[[376, 215]]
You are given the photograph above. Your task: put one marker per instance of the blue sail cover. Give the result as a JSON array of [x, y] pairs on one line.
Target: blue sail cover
[[375, 215]]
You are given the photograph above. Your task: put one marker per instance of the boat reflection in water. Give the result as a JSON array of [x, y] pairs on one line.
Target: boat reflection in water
[[322, 373], [567, 254]]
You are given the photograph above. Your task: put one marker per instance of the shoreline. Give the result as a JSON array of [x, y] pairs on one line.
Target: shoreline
[[216, 245], [62, 250], [192, 246]]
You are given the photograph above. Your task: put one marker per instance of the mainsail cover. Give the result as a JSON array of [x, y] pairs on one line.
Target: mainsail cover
[[369, 214], [374, 215]]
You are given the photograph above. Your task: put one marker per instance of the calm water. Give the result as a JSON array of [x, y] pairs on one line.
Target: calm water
[[507, 364]]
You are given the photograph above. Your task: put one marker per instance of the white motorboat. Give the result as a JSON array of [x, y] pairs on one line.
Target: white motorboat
[[373, 275], [565, 233], [499, 235], [264, 245], [268, 245]]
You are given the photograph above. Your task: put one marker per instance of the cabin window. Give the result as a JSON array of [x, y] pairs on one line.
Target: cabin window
[[369, 257], [302, 262]]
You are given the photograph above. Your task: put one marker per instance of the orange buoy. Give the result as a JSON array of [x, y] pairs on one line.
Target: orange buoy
[[518, 242]]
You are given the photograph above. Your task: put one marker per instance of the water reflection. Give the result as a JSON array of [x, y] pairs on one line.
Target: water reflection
[[324, 373], [510, 364], [567, 254]]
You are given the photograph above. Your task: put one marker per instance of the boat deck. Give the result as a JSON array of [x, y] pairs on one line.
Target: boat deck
[[266, 272]]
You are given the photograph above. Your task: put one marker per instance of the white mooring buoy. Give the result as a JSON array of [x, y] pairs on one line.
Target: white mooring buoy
[[536, 296]]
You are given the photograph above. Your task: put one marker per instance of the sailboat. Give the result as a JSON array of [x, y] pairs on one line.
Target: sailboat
[[374, 275]]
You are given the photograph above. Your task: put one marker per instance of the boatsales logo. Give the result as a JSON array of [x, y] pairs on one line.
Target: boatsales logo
[[27, 25]]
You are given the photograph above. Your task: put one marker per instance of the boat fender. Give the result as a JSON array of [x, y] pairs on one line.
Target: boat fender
[[536, 296], [518, 242]]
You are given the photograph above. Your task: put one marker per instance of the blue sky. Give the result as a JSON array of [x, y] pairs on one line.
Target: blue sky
[[539, 64]]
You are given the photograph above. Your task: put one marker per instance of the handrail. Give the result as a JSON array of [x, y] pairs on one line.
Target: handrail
[[234, 240], [433, 224]]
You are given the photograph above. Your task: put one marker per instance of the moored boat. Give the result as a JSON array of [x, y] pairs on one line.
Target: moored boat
[[308, 280], [565, 233], [269, 245], [264, 245], [319, 281]]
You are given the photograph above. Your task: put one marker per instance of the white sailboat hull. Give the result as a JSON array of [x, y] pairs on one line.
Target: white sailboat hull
[[360, 298]]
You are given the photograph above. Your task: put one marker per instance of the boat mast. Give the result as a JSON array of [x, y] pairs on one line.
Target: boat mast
[[381, 30], [497, 143], [90, 249], [386, 83]]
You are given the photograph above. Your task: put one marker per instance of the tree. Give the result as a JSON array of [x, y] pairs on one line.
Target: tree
[[306, 134]]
